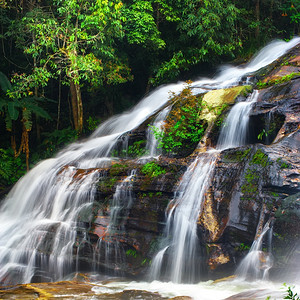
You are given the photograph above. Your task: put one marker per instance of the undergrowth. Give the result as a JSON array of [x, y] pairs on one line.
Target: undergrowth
[[182, 129]]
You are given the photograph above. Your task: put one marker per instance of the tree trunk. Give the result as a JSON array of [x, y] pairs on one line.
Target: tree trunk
[[257, 16], [76, 106], [109, 105]]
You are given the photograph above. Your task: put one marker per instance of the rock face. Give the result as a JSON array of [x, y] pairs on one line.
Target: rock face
[[251, 185]]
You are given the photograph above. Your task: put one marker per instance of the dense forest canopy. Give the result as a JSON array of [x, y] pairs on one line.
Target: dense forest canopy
[[66, 65]]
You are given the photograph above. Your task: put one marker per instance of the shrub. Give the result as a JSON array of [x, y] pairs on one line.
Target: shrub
[[182, 129], [151, 169], [11, 168]]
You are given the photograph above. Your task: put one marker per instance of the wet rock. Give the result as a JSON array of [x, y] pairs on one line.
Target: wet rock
[[251, 185], [62, 289], [72, 290], [216, 100], [256, 295]]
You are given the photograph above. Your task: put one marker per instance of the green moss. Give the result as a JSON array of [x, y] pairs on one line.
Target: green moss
[[137, 258], [259, 158], [242, 247], [106, 184], [262, 85], [274, 194], [152, 169], [131, 253], [237, 156], [251, 185], [137, 149], [283, 165], [216, 101], [118, 169], [183, 128]]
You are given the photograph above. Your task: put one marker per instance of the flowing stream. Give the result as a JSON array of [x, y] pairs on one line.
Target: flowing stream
[[40, 217]]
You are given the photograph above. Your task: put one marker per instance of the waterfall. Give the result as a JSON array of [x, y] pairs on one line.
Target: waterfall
[[182, 250], [45, 231], [230, 76], [183, 247], [119, 210], [234, 129], [41, 217], [257, 262], [122, 202], [181, 243], [152, 142]]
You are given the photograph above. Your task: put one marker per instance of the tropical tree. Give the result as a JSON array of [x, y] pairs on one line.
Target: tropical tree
[[73, 39], [14, 107], [205, 31]]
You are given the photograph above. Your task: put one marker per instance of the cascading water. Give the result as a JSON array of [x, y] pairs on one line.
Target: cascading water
[[122, 201], [234, 131], [41, 242], [40, 218], [230, 76], [182, 251], [152, 142], [257, 263], [119, 209]]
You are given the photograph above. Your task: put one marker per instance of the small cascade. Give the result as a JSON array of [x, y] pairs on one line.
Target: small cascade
[[152, 142], [268, 129], [234, 129], [121, 203], [183, 250], [257, 262], [108, 244]]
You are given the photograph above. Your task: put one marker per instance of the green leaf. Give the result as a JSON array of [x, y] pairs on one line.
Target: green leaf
[[4, 83], [37, 110], [12, 111]]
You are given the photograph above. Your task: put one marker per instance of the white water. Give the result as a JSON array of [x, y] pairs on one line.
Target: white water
[[234, 129], [39, 217], [182, 251], [256, 264], [50, 199], [38, 232], [229, 75], [108, 245], [122, 201], [207, 290], [152, 142], [179, 258], [183, 212]]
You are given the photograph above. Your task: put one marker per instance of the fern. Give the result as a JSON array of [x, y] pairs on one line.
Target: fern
[[11, 168], [34, 108]]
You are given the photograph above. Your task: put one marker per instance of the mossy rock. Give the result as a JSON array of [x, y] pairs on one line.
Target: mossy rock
[[214, 102]]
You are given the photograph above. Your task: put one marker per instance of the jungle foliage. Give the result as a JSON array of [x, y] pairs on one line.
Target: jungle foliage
[[65, 63], [183, 128]]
